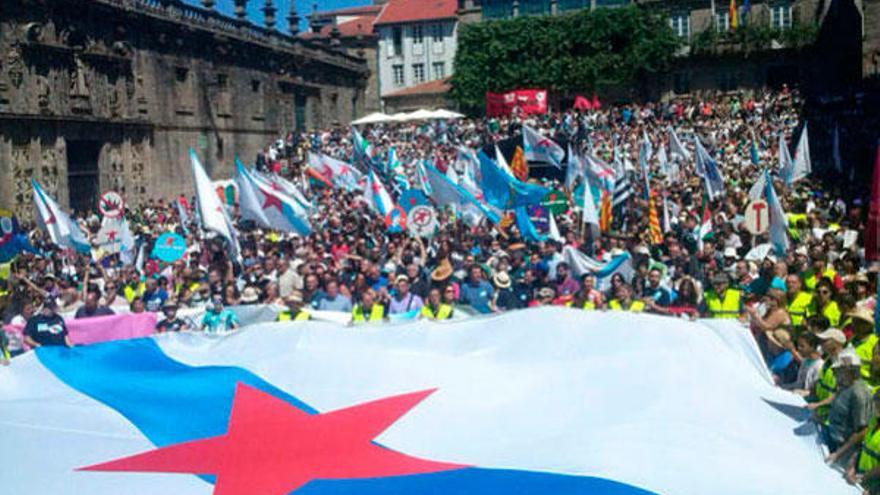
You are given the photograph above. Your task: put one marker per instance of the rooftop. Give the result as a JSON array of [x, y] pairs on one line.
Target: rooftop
[[401, 11], [437, 86], [360, 26]]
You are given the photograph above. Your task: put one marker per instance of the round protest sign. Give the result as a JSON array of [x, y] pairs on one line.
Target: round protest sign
[[757, 217], [422, 221], [395, 220], [111, 204], [169, 247]]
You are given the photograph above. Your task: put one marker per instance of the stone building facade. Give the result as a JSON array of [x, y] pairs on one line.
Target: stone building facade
[[351, 30], [100, 95]]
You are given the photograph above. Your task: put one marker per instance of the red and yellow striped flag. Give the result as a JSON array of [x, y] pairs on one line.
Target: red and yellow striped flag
[[605, 215], [654, 222], [519, 166]]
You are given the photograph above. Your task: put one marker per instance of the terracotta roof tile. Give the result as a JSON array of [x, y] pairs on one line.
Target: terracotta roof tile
[[427, 88], [400, 11]]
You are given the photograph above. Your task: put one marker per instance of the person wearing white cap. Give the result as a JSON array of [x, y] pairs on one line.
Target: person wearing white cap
[[832, 342], [850, 409]]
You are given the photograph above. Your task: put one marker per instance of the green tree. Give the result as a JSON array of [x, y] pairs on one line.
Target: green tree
[[575, 53]]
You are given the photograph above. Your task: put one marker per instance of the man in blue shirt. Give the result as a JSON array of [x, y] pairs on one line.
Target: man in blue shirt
[[154, 296], [476, 291]]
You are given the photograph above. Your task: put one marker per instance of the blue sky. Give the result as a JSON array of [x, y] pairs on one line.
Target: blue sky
[[303, 8]]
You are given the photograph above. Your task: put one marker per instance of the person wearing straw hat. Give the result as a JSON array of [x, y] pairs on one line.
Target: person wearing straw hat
[[863, 340], [505, 298], [294, 311], [850, 410]]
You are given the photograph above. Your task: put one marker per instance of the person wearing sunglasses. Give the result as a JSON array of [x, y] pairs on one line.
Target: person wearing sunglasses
[[824, 303]]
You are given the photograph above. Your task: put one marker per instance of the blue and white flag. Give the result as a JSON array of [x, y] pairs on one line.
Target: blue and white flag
[[182, 215], [339, 173], [212, 214], [802, 164], [786, 164], [778, 224], [574, 168], [538, 148], [63, 231], [676, 148], [362, 150], [268, 206], [707, 168], [540, 401], [526, 228], [581, 264], [377, 196], [444, 192], [502, 190]]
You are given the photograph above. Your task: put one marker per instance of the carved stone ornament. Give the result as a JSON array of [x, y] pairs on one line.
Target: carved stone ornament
[[15, 67]]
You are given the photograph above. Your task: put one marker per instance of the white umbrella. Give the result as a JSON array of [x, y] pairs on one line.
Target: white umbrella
[[420, 115], [446, 114], [373, 118]]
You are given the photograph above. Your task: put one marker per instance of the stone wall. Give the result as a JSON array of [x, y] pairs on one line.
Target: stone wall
[[120, 103]]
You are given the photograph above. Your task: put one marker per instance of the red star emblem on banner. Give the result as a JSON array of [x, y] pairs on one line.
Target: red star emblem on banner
[[271, 200], [273, 448]]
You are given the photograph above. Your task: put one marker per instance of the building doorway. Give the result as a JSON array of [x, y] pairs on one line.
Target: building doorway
[[82, 174]]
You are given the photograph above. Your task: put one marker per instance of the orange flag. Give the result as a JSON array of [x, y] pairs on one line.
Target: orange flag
[[605, 216], [519, 166], [654, 222]]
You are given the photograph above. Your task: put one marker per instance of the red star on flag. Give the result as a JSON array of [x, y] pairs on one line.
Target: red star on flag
[[271, 200], [273, 448], [51, 218], [111, 235]]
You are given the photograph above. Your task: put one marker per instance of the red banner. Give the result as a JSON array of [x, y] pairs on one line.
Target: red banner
[[526, 101]]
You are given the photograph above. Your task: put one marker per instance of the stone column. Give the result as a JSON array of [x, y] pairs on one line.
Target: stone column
[[241, 9], [269, 14], [293, 19]]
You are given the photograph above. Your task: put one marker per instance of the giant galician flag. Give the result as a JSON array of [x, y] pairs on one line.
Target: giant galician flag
[[541, 401]]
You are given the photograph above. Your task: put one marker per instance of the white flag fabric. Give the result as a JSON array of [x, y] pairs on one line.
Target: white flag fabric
[[593, 403], [786, 164], [377, 196], [759, 188], [553, 229], [502, 162], [676, 148], [590, 216], [114, 236], [538, 148], [339, 173], [582, 264], [574, 168], [212, 213], [802, 165], [268, 206], [707, 168], [778, 224], [63, 231], [278, 183]]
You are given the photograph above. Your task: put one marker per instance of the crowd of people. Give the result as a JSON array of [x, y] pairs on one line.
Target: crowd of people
[[810, 308]]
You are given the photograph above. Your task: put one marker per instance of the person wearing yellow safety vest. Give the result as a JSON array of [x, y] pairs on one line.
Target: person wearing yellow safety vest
[[721, 301], [864, 468], [863, 339], [623, 300], [819, 270], [294, 311], [799, 302], [824, 303], [850, 410], [435, 309], [832, 342], [369, 310]]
